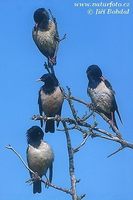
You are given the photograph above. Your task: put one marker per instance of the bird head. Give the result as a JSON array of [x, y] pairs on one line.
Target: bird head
[[34, 134], [41, 17], [49, 80], [94, 72]]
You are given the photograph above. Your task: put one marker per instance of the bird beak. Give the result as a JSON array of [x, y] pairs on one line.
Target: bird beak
[[102, 78], [38, 80], [36, 26]]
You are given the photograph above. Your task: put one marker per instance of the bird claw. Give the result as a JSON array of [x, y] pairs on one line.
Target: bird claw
[[91, 106], [30, 181], [47, 182], [57, 117], [52, 61], [35, 177]]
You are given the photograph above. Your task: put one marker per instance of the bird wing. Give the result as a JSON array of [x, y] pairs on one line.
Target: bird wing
[[40, 106], [60, 109], [115, 107], [51, 172], [28, 160], [62, 91], [108, 85]]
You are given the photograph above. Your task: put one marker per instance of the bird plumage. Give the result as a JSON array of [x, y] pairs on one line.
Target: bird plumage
[[40, 156], [45, 34], [50, 100], [101, 93]]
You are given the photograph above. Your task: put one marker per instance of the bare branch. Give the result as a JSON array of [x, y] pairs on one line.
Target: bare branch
[[63, 38], [121, 148], [47, 67], [101, 114], [74, 112], [69, 129], [57, 187], [71, 163], [43, 181], [87, 116], [82, 196], [20, 157], [81, 145], [78, 124]]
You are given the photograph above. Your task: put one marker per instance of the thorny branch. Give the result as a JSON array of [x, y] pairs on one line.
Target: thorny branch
[[80, 124], [43, 181], [89, 105], [71, 163], [84, 127]]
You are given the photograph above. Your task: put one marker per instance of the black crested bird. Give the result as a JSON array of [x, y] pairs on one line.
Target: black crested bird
[[40, 156], [50, 100], [45, 34], [101, 93]]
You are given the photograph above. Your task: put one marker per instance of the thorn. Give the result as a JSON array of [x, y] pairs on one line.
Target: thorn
[[121, 148]]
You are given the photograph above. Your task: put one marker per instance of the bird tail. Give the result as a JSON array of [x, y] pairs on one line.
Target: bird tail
[[37, 187], [50, 126], [119, 115], [57, 124], [111, 116], [114, 120]]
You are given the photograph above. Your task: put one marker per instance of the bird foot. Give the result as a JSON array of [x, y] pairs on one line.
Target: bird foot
[[52, 61], [30, 181], [35, 177], [119, 135], [57, 117], [47, 182], [91, 106]]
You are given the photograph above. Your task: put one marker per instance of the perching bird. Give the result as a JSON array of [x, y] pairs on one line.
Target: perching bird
[[45, 34], [101, 93], [50, 100], [40, 156]]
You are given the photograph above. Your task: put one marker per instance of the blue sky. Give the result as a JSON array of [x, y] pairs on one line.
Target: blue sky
[[105, 40]]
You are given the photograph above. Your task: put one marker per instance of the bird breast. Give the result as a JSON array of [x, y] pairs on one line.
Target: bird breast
[[102, 97], [40, 158], [51, 103], [45, 40]]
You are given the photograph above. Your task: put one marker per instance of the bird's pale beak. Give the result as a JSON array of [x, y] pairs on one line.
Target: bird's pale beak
[[102, 78], [36, 26], [38, 80]]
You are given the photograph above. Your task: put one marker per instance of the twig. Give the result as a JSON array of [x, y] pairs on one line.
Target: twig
[[71, 163], [69, 129], [101, 114], [82, 196], [57, 187], [108, 136], [81, 145], [20, 157], [87, 116], [63, 38], [45, 182], [47, 67], [71, 104], [121, 148]]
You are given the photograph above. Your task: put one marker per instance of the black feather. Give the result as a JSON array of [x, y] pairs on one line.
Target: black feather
[[50, 126], [37, 187]]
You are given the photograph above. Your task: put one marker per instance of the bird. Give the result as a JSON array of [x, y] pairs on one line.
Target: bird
[[102, 94], [40, 156], [45, 35], [50, 100]]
